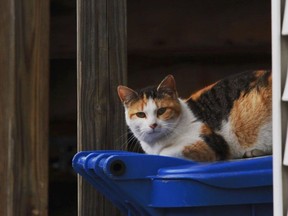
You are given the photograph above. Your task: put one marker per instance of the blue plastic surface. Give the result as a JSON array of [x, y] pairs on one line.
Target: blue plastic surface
[[140, 184]]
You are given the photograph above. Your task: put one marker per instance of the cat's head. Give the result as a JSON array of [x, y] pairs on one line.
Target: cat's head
[[153, 112]]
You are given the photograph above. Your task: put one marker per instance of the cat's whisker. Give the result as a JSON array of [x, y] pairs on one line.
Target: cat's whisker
[[122, 138], [172, 130], [124, 145], [135, 145], [131, 141]]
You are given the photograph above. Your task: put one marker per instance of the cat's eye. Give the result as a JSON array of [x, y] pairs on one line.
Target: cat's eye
[[140, 114], [161, 111]]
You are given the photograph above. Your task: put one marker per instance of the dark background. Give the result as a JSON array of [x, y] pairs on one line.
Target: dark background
[[197, 41]]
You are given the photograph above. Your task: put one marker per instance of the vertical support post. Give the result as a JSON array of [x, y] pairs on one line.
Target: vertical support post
[[277, 116], [24, 63], [101, 67]]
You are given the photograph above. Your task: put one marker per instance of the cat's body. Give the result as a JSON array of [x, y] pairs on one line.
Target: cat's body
[[228, 119]]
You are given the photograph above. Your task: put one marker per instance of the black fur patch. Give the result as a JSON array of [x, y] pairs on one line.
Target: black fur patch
[[218, 144], [214, 105], [151, 92]]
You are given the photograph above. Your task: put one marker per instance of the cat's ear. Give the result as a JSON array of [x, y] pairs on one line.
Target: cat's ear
[[126, 94], [168, 85]]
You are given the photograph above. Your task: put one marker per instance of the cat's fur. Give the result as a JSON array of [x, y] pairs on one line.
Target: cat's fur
[[228, 119]]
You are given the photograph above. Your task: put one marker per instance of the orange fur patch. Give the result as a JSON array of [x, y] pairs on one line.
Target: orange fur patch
[[270, 79], [199, 151], [196, 95], [249, 113], [206, 130], [173, 108], [135, 107], [260, 73], [145, 99]]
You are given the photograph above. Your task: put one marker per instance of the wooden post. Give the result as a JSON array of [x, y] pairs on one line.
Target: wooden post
[[101, 66], [24, 67]]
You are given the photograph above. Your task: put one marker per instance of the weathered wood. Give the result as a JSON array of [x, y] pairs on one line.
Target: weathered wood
[[24, 107], [101, 66]]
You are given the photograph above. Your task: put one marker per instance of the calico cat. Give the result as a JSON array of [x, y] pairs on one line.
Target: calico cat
[[226, 120]]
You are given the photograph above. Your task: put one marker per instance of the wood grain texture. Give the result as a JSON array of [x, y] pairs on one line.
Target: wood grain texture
[[101, 67], [24, 107]]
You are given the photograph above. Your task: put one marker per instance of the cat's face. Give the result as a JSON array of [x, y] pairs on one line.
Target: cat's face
[[152, 113]]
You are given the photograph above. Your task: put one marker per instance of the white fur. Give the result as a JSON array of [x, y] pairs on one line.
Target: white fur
[[235, 148], [169, 137], [263, 142]]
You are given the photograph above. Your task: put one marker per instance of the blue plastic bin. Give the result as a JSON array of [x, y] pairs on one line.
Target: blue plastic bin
[[140, 184]]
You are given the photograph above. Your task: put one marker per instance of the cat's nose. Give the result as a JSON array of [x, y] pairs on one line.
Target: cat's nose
[[153, 126]]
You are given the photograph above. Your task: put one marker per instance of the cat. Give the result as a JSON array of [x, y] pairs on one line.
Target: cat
[[229, 119]]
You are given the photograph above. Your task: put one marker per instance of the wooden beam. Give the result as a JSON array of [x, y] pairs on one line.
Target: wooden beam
[[24, 107], [101, 66]]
